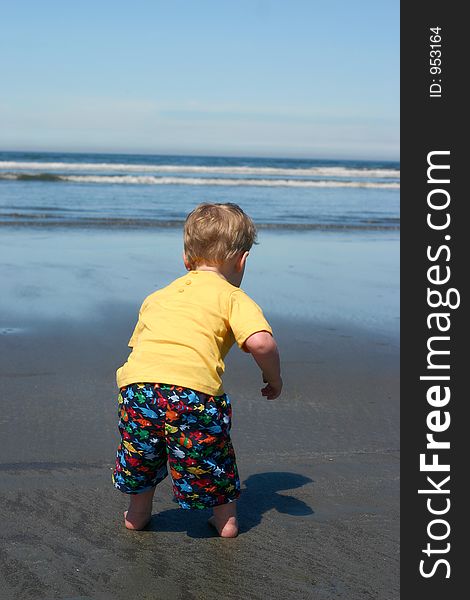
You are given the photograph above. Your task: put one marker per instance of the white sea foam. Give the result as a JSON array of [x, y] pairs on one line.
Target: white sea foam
[[149, 180], [223, 170]]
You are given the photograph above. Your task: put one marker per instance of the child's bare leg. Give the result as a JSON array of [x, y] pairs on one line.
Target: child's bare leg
[[225, 519], [140, 510]]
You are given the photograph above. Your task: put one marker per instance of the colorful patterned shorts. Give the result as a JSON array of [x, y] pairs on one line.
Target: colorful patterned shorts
[[190, 430]]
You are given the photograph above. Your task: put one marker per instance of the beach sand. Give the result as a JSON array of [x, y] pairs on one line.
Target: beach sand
[[319, 466]]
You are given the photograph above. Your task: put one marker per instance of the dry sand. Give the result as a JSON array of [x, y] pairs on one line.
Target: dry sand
[[319, 469]]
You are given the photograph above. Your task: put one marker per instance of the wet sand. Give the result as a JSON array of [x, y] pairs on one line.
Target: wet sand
[[319, 466]]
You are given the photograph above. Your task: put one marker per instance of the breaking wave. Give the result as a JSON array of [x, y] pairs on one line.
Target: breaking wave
[[208, 181], [216, 170]]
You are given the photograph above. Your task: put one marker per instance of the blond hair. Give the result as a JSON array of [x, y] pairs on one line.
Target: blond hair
[[215, 233]]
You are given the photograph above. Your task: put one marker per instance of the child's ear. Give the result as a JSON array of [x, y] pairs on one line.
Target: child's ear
[[186, 263], [242, 260]]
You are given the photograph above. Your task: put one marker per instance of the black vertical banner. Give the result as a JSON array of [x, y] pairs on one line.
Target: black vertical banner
[[435, 258]]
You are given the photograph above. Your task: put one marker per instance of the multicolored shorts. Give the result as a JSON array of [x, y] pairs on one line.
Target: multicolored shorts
[[190, 430]]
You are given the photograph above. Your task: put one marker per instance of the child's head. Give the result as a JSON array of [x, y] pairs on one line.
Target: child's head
[[216, 233]]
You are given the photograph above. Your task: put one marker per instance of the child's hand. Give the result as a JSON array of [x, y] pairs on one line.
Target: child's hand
[[273, 389], [264, 350]]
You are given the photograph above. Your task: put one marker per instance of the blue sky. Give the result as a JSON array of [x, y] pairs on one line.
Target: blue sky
[[302, 78]]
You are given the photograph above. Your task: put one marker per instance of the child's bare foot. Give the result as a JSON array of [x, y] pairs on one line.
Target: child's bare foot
[[140, 510], [136, 521], [228, 530], [224, 520]]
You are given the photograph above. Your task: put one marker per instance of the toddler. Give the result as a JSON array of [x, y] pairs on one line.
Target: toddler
[[172, 405]]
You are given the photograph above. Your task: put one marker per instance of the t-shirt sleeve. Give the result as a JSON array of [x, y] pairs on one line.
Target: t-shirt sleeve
[[138, 328], [135, 335], [245, 317]]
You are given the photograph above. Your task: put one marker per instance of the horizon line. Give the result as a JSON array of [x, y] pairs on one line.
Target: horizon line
[[203, 155]]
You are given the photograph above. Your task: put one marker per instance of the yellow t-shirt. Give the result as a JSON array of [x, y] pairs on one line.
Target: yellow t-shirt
[[185, 330]]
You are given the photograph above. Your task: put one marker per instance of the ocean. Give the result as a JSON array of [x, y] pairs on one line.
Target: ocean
[[131, 190]]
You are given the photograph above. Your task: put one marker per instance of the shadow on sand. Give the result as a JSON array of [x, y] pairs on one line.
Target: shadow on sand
[[259, 495]]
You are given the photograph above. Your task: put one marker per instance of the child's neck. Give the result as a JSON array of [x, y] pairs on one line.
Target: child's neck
[[225, 271], [209, 268]]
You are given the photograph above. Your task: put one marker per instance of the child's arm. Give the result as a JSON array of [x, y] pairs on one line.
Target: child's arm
[[264, 350]]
